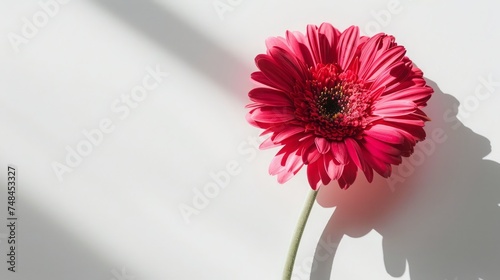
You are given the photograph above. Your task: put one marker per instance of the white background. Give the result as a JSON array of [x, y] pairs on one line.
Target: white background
[[118, 210]]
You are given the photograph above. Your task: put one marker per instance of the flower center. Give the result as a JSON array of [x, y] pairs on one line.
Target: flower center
[[332, 103]]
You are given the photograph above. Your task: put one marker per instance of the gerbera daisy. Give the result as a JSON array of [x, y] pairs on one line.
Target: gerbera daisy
[[337, 102]]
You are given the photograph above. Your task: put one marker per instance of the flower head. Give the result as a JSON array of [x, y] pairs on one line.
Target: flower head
[[337, 102]]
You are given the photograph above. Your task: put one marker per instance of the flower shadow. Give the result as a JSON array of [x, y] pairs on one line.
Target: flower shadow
[[438, 212]]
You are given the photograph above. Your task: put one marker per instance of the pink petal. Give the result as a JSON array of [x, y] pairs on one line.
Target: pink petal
[[322, 144], [340, 153], [274, 72], [276, 167], [409, 82], [384, 61], [368, 53], [392, 75], [312, 36], [268, 130], [382, 168], [269, 96], [392, 155], [272, 114], [354, 66], [353, 150], [329, 163], [272, 42], [346, 48], [292, 145], [417, 94], [310, 154], [416, 132], [380, 145], [313, 175], [325, 177], [289, 63], [385, 133], [287, 133], [267, 144], [328, 38], [375, 95], [338, 170], [263, 79], [394, 108], [407, 120], [356, 155], [333, 170], [284, 176], [348, 175], [293, 165], [299, 46]]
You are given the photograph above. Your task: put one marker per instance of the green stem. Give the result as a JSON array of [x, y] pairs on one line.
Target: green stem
[[301, 224]]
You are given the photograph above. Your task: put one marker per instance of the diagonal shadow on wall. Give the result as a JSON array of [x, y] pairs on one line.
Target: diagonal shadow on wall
[[45, 249], [180, 38]]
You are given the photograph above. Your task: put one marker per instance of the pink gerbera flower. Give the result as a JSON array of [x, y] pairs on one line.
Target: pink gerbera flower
[[337, 102]]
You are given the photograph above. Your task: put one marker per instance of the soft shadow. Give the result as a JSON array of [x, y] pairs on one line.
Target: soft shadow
[[438, 212], [45, 249], [193, 46]]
